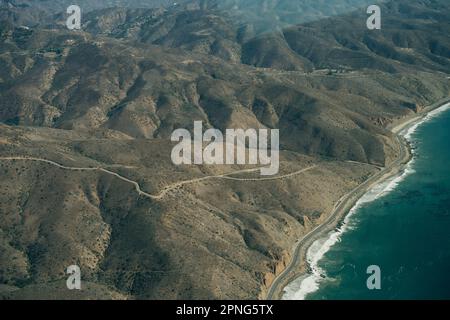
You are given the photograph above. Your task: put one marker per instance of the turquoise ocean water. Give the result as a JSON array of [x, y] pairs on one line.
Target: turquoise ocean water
[[402, 226]]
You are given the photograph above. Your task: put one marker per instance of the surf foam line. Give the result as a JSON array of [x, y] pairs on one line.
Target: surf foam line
[[301, 287]]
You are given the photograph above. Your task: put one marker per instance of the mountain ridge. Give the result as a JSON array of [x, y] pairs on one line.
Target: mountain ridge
[[110, 95]]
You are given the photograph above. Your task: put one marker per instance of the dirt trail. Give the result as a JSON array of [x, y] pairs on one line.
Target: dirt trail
[[168, 188]]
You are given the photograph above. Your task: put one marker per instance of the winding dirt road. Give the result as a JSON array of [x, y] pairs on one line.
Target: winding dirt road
[[168, 188]]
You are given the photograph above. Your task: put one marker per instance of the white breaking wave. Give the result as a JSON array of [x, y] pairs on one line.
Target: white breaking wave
[[301, 287], [408, 132]]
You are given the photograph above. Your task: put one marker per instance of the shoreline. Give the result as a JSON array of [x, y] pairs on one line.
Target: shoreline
[[298, 266]]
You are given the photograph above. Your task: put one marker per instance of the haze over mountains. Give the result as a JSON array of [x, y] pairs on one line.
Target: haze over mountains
[[264, 13], [112, 94]]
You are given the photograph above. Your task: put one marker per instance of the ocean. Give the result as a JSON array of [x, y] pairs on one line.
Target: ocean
[[402, 226]]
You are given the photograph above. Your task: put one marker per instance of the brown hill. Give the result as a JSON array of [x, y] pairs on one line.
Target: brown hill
[[86, 175]]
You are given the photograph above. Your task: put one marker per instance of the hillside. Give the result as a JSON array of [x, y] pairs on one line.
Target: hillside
[[86, 116]]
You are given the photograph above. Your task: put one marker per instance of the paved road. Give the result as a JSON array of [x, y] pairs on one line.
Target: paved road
[[343, 206], [340, 209]]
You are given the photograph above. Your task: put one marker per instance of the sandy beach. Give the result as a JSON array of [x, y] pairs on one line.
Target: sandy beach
[[298, 267]]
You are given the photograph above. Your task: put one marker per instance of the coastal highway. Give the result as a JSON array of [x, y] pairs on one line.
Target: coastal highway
[[341, 208], [298, 263]]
